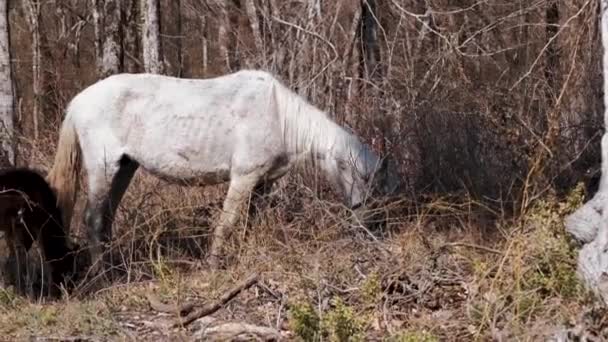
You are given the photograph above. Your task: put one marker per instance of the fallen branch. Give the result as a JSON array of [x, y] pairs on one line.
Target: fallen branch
[[213, 307], [157, 305], [211, 330]]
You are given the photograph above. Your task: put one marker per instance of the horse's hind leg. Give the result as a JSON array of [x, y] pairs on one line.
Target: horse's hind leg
[[106, 189], [238, 194]]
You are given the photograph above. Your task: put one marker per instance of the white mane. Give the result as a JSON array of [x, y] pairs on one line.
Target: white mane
[[310, 133]]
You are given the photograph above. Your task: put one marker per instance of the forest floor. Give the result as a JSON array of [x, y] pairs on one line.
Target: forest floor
[[445, 270]]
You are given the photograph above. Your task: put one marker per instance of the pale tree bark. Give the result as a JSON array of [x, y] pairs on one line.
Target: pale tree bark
[[31, 8], [7, 100], [254, 23], [204, 43], [351, 63], [151, 43], [108, 38], [589, 223]]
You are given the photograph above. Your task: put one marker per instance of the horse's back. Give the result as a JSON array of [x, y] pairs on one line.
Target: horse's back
[[182, 128]]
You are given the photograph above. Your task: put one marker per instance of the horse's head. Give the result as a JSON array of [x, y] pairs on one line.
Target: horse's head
[[362, 175]]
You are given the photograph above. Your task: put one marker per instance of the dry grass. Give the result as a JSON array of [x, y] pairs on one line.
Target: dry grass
[[432, 274]]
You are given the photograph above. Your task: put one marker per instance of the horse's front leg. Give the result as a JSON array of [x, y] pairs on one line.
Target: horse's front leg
[[238, 194]]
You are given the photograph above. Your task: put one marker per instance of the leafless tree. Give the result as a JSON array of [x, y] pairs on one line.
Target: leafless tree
[[254, 23], [222, 31], [369, 37], [131, 41], [176, 13], [108, 36], [7, 102], [151, 42], [31, 8]]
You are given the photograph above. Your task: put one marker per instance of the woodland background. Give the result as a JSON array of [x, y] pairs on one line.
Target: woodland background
[[489, 108]]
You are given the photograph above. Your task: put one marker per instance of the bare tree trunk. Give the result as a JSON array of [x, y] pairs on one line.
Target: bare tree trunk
[[131, 39], [222, 32], [31, 8], [152, 47], [590, 222], [204, 42], [177, 12], [351, 65], [108, 38], [7, 100], [255, 24], [553, 66], [371, 49]]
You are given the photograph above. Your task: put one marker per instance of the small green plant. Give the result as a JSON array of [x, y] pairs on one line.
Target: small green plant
[[370, 289], [552, 250], [8, 298], [304, 321], [413, 336], [48, 316], [341, 324]]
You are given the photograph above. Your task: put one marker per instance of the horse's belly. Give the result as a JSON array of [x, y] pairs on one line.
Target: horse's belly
[[188, 172], [182, 167]]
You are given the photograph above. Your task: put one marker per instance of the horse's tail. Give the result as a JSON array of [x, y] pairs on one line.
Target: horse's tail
[[64, 175]]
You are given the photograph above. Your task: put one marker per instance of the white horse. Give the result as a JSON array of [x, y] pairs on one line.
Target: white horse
[[244, 128]]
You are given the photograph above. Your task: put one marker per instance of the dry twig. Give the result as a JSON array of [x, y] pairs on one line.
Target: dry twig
[[214, 306], [157, 305]]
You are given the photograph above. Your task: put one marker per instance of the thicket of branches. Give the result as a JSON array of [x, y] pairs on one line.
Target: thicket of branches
[[498, 99]]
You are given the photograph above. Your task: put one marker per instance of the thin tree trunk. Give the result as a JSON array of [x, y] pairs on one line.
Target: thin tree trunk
[[204, 43], [590, 222], [351, 66], [131, 41], [152, 47], [7, 100], [108, 38], [371, 48], [553, 67], [31, 9], [177, 11], [254, 23], [222, 32]]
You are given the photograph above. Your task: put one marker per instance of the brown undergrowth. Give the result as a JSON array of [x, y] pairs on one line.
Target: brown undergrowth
[[434, 272]]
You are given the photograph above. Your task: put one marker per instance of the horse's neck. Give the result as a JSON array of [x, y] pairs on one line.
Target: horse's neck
[[316, 135], [309, 134]]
